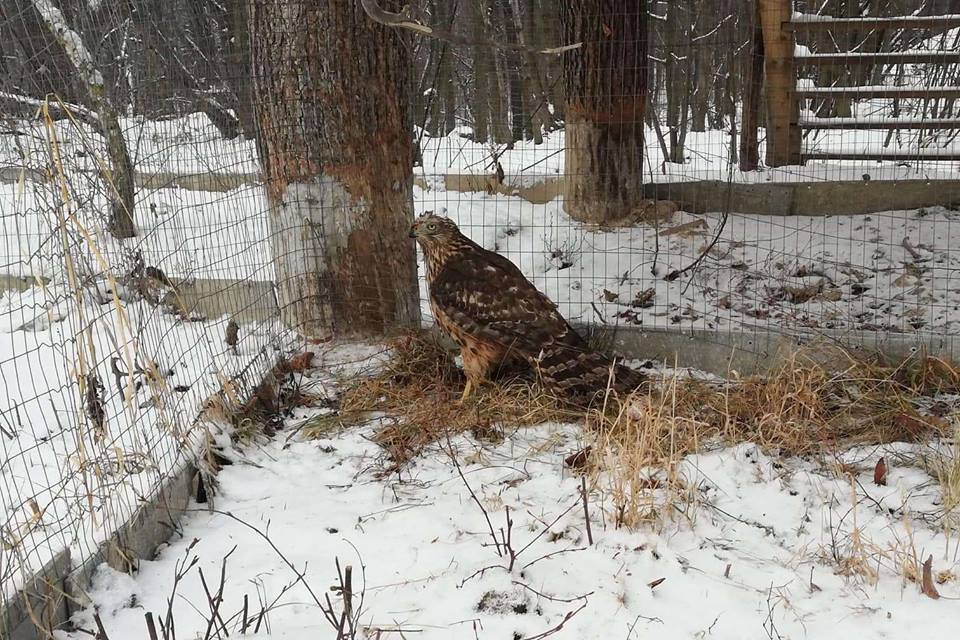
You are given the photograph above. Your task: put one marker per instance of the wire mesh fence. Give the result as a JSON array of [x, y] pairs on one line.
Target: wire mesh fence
[[110, 348], [665, 165]]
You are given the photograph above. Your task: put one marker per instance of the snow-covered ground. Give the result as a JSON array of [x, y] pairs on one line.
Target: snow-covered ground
[[81, 449], [192, 145], [772, 547], [891, 271]]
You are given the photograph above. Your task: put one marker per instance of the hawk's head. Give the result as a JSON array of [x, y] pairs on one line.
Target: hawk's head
[[431, 230]]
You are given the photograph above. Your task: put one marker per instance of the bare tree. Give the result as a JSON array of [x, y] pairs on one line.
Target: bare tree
[[69, 45], [335, 142]]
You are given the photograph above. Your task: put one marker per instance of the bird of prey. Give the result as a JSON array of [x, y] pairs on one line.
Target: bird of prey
[[495, 315]]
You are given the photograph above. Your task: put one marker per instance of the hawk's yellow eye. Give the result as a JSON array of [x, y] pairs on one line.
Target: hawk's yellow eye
[[432, 226]]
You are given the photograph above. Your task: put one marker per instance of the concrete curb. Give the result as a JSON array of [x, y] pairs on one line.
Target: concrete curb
[[759, 351], [58, 590]]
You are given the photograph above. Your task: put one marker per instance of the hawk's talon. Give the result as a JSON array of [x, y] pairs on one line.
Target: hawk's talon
[[467, 391]]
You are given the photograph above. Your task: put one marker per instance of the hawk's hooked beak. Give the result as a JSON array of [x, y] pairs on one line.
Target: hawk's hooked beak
[[413, 232]]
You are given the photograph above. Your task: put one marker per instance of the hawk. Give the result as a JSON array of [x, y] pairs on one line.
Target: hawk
[[497, 316]]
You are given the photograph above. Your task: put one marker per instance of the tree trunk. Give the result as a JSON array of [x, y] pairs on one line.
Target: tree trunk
[[445, 75], [483, 71], [605, 98], [751, 101], [334, 136], [519, 120], [497, 81], [238, 53]]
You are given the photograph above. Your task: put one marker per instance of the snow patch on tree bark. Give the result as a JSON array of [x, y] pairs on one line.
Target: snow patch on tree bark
[[311, 224], [71, 42]]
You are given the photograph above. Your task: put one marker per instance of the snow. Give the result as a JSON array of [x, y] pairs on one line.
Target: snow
[[801, 51], [770, 547], [183, 146], [799, 17], [827, 91], [707, 156]]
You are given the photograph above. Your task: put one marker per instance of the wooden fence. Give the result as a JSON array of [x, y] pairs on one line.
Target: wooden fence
[[776, 45]]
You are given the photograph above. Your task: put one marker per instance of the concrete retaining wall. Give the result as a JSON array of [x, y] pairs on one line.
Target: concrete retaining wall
[[700, 196], [783, 199], [751, 352]]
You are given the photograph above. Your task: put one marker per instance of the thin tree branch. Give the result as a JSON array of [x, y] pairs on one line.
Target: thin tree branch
[[404, 20]]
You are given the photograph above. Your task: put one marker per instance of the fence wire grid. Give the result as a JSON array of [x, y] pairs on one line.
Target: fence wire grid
[[115, 330]]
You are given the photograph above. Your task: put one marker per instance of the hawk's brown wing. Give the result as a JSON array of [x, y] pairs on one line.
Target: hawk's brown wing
[[488, 297]]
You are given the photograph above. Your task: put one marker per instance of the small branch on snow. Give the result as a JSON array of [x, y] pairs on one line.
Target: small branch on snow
[[473, 496], [551, 598], [151, 626], [557, 628], [405, 20], [586, 508], [551, 555], [300, 575], [676, 273]]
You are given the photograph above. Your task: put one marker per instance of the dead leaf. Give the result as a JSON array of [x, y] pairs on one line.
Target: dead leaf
[[906, 280], [880, 473], [912, 428], [37, 513], [579, 459], [644, 299], [926, 585], [799, 295], [656, 583], [831, 294], [610, 296], [945, 576]]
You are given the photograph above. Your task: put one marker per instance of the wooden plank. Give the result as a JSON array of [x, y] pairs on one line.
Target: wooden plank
[[934, 155], [878, 92], [783, 112], [892, 123], [895, 57], [812, 23]]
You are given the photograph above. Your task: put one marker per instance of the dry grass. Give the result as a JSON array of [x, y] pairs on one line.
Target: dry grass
[[638, 443], [417, 396], [802, 407], [810, 404], [948, 474]]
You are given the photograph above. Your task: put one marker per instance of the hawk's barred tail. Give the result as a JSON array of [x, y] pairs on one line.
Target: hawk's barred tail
[[578, 374]]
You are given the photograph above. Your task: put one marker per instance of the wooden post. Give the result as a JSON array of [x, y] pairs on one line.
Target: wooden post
[[783, 112], [750, 106]]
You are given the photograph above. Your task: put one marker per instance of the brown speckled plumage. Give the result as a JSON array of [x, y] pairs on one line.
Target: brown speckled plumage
[[484, 302]]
